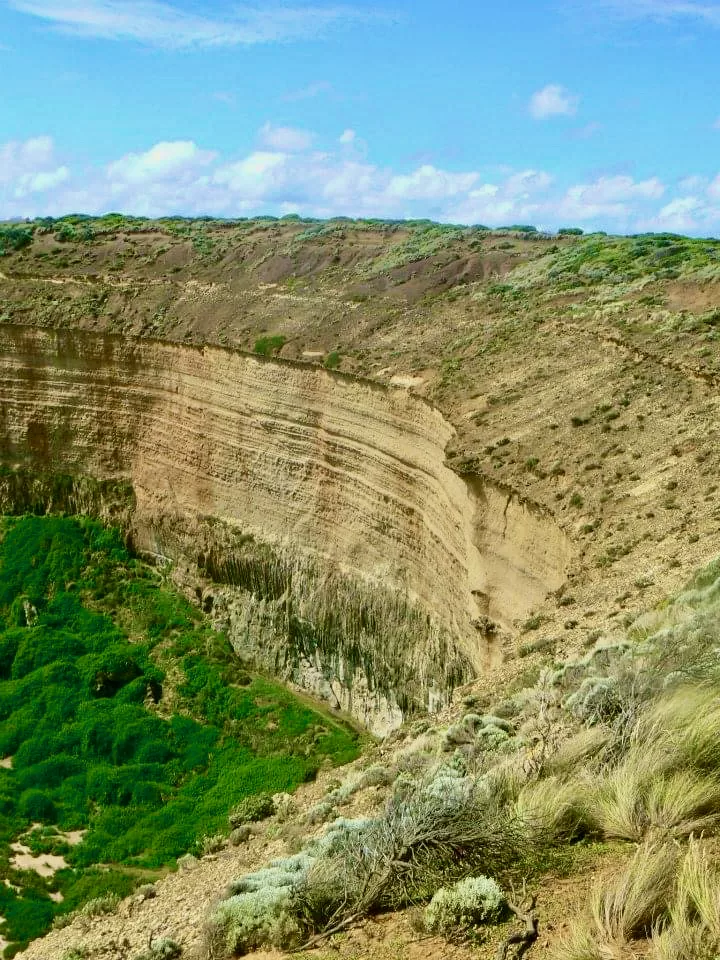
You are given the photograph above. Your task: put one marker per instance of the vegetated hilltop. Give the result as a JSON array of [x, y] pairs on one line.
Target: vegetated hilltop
[[578, 371]]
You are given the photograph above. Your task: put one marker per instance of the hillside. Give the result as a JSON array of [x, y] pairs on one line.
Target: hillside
[[408, 467], [577, 372]]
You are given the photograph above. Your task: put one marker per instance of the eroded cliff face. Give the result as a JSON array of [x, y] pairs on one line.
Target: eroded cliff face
[[313, 512]]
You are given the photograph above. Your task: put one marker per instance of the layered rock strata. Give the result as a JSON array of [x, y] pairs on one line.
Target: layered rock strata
[[313, 512]]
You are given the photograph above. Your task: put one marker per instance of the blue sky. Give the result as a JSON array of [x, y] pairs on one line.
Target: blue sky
[[603, 114]]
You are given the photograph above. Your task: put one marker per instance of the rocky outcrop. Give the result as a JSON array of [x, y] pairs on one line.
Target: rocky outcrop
[[314, 512]]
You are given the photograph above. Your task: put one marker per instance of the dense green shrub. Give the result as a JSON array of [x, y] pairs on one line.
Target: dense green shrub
[[89, 754], [14, 238], [268, 346]]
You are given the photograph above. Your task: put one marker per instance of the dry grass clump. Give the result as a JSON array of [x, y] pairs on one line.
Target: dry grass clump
[[667, 896], [628, 910], [667, 781], [561, 809], [693, 930]]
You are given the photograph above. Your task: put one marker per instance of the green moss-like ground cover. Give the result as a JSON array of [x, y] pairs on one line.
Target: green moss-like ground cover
[[98, 739]]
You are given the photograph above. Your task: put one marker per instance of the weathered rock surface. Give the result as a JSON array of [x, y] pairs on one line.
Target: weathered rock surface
[[314, 511]]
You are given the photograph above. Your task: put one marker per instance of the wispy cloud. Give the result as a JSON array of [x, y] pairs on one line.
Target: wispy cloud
[[156, 23], [553, 100], [587, 131], [662, 11], [308, 92], [224, 96]]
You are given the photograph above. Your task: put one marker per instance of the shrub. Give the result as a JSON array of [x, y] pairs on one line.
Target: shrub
[[14, 238], [248, 920], [455, 911], [251, 809], [268, 346], [421, 841], [598, 700], [100, 906], [162, 948], [211, 844]]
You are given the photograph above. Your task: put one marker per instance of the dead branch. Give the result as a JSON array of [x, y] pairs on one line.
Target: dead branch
[[523, 940]]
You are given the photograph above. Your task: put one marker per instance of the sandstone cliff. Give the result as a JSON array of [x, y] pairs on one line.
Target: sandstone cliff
[[312, 512]]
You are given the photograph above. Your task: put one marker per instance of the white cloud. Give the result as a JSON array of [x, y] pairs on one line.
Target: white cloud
[[180, 177], [19, 157], [224, 96], [527, 182], [157, 23], [286, 139], [39, 182], [692, 184], [429, 183], [347, 136], [608, 197], [679, 214], [587, 131], [553, 100], [174, 158], [713, 189], [255, 177]]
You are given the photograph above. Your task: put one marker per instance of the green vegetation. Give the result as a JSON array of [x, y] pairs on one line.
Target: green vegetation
[[269, 346], [424, 241], [14, 238], [599, 259], [101, 741]]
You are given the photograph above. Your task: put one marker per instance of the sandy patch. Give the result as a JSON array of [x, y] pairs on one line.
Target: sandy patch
[[73, 837], [399, 380], [6, 763], [45, 864]]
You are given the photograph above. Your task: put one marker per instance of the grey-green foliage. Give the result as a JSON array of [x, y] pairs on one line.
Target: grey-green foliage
[[478, 732], [258, 909], [426, 836], [162, 948], [597, 700], [456, 910], [245, 922], [100, 906]]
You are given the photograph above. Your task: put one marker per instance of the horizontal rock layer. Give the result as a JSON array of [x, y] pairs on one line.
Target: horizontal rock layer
[[349, 555]]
